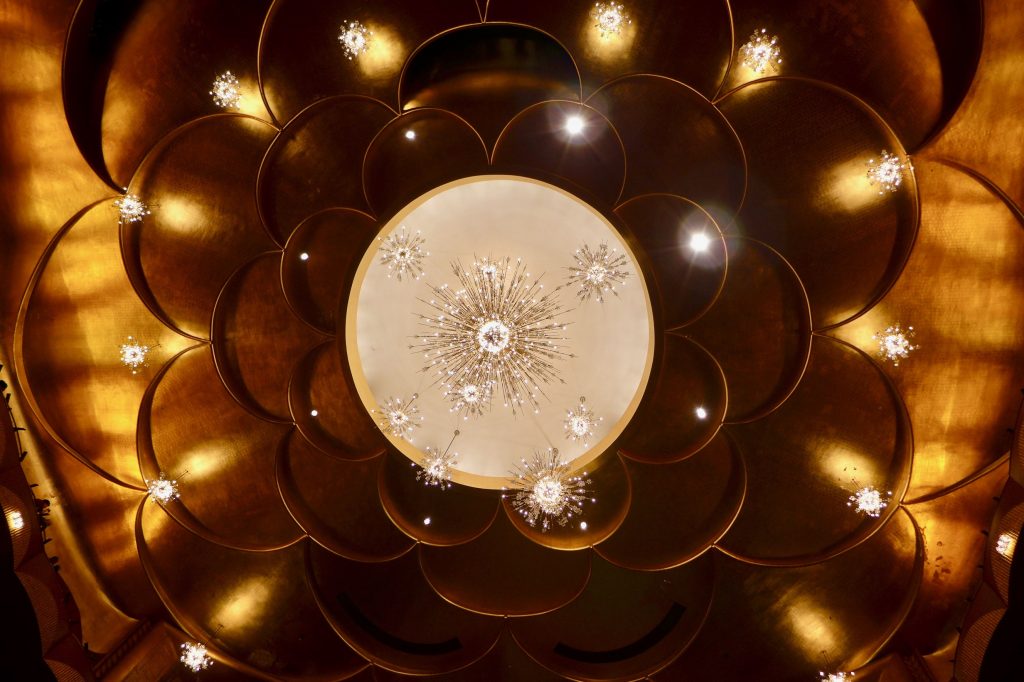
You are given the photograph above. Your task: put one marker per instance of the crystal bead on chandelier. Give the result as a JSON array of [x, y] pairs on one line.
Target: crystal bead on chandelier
[[496, 328], [761, 52], [544, 492], [894, 343], [354, 38], [163, 489], [888, 171], [597, 272], [580, 422], [131, 208], [226, 92], [869, 501], [133, 354], [402, 253], [194, 657], [610, 18], [399, 417]]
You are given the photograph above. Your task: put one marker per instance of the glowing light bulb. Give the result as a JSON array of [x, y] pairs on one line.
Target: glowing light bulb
[[410, 134], [574, 125], [699, 242], [701, 413]]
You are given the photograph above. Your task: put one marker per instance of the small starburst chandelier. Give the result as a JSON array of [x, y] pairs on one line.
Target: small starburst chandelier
[[437, 466], [403, 254], [597, 272], [163, 489], [226, 93], [610, 18], [470, 398], [835, 677], [761, 52], [544, 492], [869, 501], [354, 38], [888, 171], [498, 328], [131, 208], [580, 422], [133, 354], [1006, 543], [894, 343], [399, 417], [194, 656]]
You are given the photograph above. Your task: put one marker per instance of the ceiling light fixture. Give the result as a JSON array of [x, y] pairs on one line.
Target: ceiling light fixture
[[544, 491], [597, 272], [580, 422], [835, 677], [16, 520], [894, 343], [610, 18], [869, 501], [354, 38], [399, 417], [403, 254], [761, 52], [163, 489], [1006, 543], [194, 656], [303, 256], [226, 92], [410, 134], [888, 171], [701, 413], [472, 398], [437, 467], [497, 328], [131, 208], [699, 242], [574, 125], [133, 354]]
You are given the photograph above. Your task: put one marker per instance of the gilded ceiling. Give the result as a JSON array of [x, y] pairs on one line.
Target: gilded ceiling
[[723, 541]]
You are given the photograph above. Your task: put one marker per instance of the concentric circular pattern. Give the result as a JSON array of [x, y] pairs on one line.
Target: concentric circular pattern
[[720, 545]]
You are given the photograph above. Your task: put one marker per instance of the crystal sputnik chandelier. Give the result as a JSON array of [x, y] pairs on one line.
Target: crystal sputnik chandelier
[[226, 92], [354, 38], [761, 52], [131, 208], [402, 253], [133, 354], [610, 18], [580, 422], [399, 417], [888, 171], [194, 657], [497, 328], [544, 492], [835, 677], [869, 501], [469, 398], [894, 343], [436, 470], [163, 489], [597, 272]]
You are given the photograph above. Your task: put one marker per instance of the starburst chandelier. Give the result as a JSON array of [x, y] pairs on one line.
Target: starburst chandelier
[[16, 520], [888, 171], [226, 92], [354, 38], [894, 343], [498, 328], [399, 417], [1006, 543], [869, 501], [761, 52], [544, 492], [131, 208], [403, 254], [610, 18], [194, 656], [133, 354], [597, 272], [436, 470], [580, 422], [163, 489], [470, 398], [835, 677]]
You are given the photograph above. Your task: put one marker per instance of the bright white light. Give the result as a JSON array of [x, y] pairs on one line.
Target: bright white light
[[1005, 544], [410, 134], [194, 657], [163, 489], [313, 413], [699, 242], [583, 525], [574, 125], [17, 521], [303, 256], [701, 413], [426, 521]]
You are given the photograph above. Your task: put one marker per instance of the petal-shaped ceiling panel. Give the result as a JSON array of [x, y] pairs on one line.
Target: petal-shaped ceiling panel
[[254, 606], [608, 500], [431, 515], [884, 53], [506, 661], [392, 617], [684, 406], [960, 292], [402, 161], [676, 142], [327, 410], [336, 502], [802, 613], [200, 229], [193, 431], [163, 69], [503, 573], [316, 162], [301, 59], [685, 249], [567, 143], [256, 338], [808, 144], [843, 428], [625, 625], [761, 369], [78, 310], [501, 83], [678, 510], [688, 40], [319, 261]]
